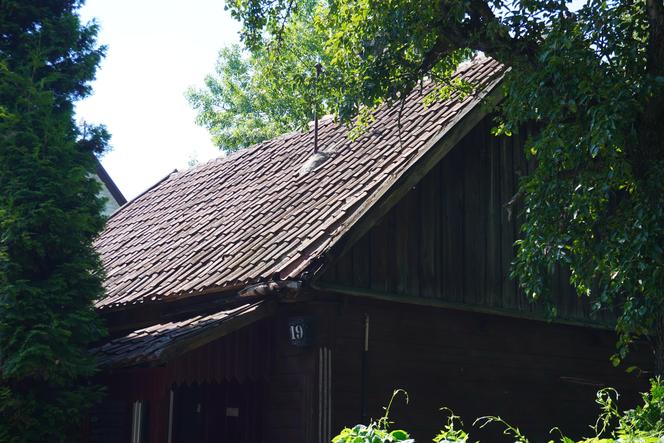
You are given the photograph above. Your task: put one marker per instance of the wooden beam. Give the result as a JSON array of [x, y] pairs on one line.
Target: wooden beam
[[438, 303]]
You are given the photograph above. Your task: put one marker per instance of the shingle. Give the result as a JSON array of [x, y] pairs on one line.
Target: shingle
[[147, 345], [249, 216]]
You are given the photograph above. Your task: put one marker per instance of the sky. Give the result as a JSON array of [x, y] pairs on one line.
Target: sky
[[156, 50]]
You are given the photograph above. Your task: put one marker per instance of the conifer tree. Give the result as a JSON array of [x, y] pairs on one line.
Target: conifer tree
[[49, 215]]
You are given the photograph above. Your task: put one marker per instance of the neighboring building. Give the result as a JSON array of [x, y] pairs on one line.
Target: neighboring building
[[254, 299], [110, 192]]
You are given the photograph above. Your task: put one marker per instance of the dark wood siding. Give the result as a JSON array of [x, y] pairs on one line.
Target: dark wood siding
[[290, 413], [110, 422], [451, 239], [535, 374], [255, 369]]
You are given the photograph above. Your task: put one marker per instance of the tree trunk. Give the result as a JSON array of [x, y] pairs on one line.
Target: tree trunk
[[659, 346], [650, 148], [651, 139]]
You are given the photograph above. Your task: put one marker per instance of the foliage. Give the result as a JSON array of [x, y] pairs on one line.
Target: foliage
[[591, 204], [49, 215], [376, 431], [643, 424], [591, 82], [256, 96], [450, 433], [645, 420], [371, 434]]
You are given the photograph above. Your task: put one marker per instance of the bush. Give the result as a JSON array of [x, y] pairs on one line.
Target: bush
[[643, 424]]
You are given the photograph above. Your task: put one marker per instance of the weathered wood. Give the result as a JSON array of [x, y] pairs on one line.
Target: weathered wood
[[379, 245], [600, 323], [212, 334], [452, 239], [379, 204], [494, 270], [345, 268], [411, 219], [361, 256], [452, 226], [291, 405], [428, 225], [520, 172], [474, 239], [391, 241], [402, 240], [536, 374], [507, 224]]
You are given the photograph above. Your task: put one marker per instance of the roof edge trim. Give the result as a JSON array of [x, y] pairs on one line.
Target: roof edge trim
[[110, 184]]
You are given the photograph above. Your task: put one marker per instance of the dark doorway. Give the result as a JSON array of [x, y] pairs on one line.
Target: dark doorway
[[217, 412]]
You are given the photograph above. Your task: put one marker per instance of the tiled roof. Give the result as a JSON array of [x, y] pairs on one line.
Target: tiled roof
[[151, 344], [251, 216]]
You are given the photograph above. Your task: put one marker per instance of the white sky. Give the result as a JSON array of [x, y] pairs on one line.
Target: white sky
[[156, 50]]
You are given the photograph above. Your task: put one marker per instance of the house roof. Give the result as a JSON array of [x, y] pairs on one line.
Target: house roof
[[253, 216], [157, 343], [110, 184]]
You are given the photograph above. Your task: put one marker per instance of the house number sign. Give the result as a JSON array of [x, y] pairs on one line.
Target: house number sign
[[300, 331]]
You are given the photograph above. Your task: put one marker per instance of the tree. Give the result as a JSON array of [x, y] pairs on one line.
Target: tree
[[255, 96], [591, 80], [50, 212]]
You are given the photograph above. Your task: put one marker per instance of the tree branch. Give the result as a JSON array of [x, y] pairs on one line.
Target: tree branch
[[655, 10], [488, 34]]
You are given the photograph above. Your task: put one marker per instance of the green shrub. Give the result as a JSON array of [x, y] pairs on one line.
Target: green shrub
[[371, 434], [376, 431], [643, 424]]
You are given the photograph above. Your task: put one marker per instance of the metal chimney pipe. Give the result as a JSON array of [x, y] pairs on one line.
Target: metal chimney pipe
[[319, 69]]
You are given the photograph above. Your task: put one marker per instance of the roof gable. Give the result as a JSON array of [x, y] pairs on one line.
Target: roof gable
[[252, 216], [110, 185]]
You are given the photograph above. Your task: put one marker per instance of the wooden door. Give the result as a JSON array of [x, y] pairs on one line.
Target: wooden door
[[217, 413]]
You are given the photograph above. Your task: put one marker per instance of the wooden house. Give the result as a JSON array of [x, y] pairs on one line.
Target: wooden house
[[279, 295], [109, 191]]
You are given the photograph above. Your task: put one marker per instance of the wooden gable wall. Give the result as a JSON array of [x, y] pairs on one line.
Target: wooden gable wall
[[450, 240]]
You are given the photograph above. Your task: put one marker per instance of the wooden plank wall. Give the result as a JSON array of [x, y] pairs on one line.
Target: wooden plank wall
[[534, 374], [451, 238], [290, 412], [258, 356]]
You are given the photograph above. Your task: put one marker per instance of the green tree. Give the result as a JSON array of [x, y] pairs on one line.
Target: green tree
[[591, 79], [49, 214], [255, 96]]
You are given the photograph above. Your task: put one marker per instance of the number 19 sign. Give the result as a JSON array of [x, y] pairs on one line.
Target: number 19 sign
[[300, 331]]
